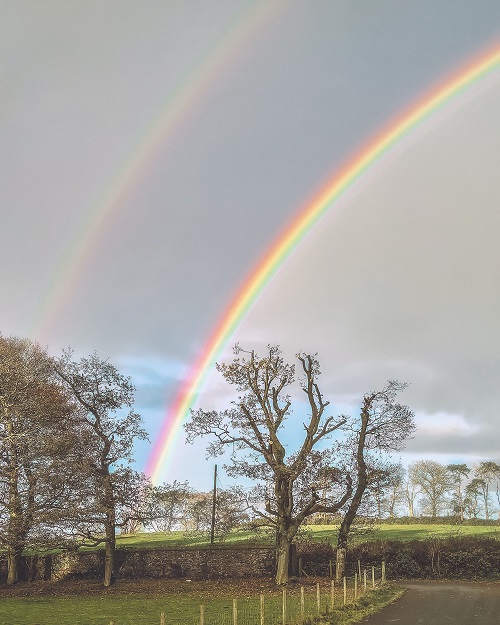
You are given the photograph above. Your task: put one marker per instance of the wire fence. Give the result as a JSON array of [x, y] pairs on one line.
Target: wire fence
[[293, 607]]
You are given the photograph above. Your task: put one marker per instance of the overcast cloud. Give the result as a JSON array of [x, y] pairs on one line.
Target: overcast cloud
[[400, 280]]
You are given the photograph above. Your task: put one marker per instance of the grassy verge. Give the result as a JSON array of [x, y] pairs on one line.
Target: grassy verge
[[369, 604]]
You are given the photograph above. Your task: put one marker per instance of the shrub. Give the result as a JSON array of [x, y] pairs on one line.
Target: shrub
[[468, 557], [403, 565]]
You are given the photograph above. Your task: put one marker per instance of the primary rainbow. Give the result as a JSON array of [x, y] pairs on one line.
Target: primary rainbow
[[305, 220]]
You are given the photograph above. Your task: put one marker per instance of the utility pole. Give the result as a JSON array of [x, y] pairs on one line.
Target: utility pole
[[214, 500]]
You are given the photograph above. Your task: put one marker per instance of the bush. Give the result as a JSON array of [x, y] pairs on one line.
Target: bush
[[403, 565], [469, 557]]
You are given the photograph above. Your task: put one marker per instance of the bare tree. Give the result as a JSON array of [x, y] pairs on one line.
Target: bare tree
[[382, 426], [390, 491], [111, 493], [488, 473], [232, 511], [435, 484], [37, 438], [411, 491], [472, 498], [458, 473], [171, 503], [253, 428]]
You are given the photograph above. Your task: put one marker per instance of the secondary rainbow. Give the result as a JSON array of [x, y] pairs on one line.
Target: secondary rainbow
[[307, 217], [245, 26]]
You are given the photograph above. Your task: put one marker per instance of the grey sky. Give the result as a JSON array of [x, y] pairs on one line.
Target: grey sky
[[402, 282]]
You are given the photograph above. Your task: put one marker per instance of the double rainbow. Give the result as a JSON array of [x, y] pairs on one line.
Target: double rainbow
[[307, 217]]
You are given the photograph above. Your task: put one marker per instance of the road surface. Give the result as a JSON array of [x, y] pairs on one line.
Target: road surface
[[443, 603]]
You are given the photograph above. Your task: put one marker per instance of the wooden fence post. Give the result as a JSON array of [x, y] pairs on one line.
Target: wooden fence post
[[235, 612], [202, 615], [284, 606], [383, 571], [332, 594], [355, 586], [261, 609], [302, 603], [364, 580], [162, 619], [318, 598], [373, 577], [345, 591]]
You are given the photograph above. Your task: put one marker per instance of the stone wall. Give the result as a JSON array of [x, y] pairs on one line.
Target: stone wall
[[156, 563], [196, 563]]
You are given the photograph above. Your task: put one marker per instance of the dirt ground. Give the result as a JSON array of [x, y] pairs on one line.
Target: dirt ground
[[246, 587], [443, 603]]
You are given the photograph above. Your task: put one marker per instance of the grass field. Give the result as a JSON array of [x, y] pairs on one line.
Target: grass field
[[136, 603], [320, 533], [411, 532]]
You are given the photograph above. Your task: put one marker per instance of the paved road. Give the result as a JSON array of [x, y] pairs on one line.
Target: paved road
[[443, 603]]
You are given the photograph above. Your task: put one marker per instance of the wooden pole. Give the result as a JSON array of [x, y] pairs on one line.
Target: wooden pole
[[332, 593], [235, 612], [373, 577], [284, 606], [261, 609], [202, 615], [383, 571], [214, 501], [162, 619], [364, 580], [359, 570], [302, 603], [355, 586], [318, 598], [345, 591]]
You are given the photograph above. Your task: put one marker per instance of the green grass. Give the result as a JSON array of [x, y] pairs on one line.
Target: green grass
[[409, 532], [93, 611], [178, 539], [125, 607], [320, 533]]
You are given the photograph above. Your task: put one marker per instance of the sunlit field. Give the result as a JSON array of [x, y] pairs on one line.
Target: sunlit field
[[318, 533]]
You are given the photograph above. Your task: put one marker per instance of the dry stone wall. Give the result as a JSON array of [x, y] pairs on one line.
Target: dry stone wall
[[156, 563]]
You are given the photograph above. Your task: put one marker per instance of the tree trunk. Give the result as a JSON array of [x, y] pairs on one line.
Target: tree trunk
[[340, 564], [283, 557], [352, 510], [486, 507], [13, 565], [110, 530], [109, 557]]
